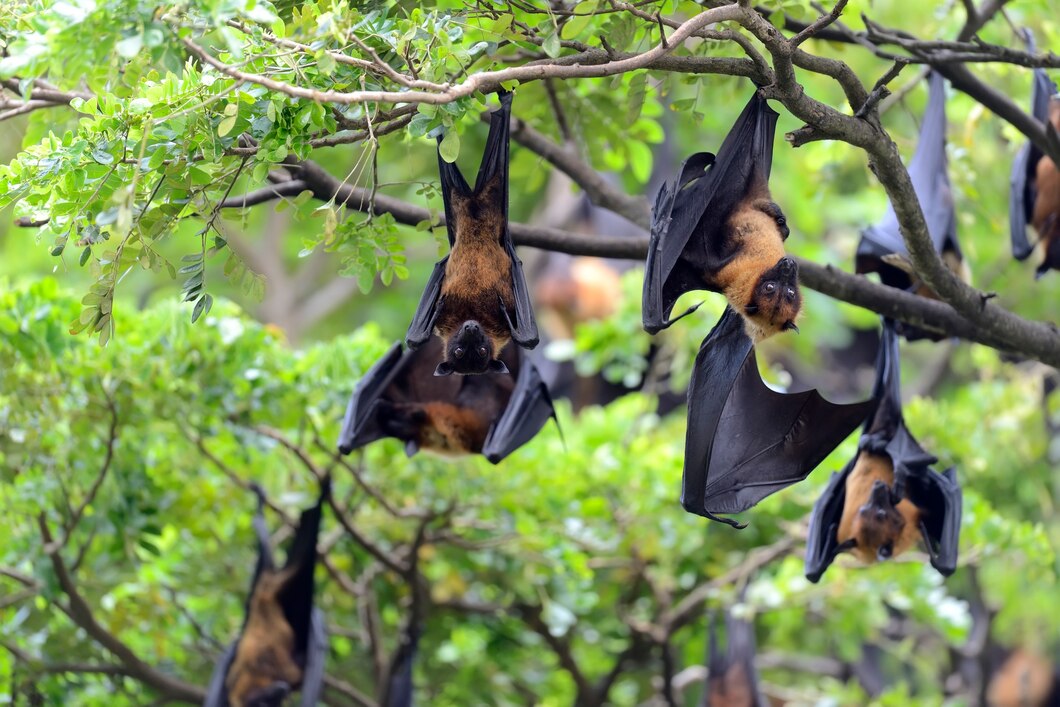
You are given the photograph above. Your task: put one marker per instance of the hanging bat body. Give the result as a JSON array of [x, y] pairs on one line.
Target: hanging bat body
[[716, 228], [476, 300], [745, 441], [1024, 680], [888, 496], [491, 414], [1034, 198], [732, 680], [283, 644], [882, 249]]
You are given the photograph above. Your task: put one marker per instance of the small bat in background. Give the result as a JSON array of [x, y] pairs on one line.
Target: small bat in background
[[399, 687], [1034, 197], [745, 441], [283, 644], [732, 680], [492, 414], [888, 495], [716, 228], [476, 299], [1024, 679], [882, 249]]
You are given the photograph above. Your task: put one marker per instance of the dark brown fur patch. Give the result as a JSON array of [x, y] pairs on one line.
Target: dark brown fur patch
[[733, 689], [265, 650]]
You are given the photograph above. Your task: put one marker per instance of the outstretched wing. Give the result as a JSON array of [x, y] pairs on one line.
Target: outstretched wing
[[929, 175], [766, 440], [690, 214], [360, 427], [526, 413], [1023, 189]]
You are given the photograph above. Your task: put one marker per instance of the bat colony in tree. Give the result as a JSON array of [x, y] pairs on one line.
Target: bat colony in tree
[[461, 387]]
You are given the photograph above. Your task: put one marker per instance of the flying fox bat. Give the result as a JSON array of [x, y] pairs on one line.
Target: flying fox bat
[[888, 495], [745, 441], [1024, 679], [1034, 197], [732, 680], [881, 249], [716, 228], [492, 414], [283, 644], [476, 299]]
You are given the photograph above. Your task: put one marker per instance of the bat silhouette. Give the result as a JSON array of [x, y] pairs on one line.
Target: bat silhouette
[[283, 644], [881, 249]]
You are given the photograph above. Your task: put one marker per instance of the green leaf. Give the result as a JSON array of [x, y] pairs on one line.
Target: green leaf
[[449, 148], [551, 45]]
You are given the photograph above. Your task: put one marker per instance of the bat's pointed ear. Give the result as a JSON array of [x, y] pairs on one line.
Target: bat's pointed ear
[[496, 366], [444, 369]]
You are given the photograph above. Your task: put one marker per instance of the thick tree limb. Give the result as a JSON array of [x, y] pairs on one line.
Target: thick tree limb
[[81, 614]]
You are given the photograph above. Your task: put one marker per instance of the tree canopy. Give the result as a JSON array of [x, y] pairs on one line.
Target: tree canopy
[[218, 214]]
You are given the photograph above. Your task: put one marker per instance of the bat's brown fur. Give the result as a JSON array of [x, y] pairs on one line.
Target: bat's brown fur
[[1046, 217], [1024, 680], [264, 654], [589, 290], [901, 529], [733, 689], [450, 429], [478, 276], [759, 243]]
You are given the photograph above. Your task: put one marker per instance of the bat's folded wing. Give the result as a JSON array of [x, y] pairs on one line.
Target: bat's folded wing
[[939, 498], [216, 694], [1022, 193], [422, 327], [359, 426], [526, 413], [316, 657], [822, 542], [524, 326]]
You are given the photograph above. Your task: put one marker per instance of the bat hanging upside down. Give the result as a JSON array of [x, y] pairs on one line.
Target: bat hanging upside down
[[283, 644], [888, 496], [476, 299], [717, 228]]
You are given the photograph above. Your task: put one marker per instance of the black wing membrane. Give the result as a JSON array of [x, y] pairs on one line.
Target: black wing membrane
[[1023, 189], [422, 327], [316, 657], [216, 694], [527, 412], [929, 175], [745, 441], [690, 213], [360, 426], [822, 544], [939, 497], [399, 690]]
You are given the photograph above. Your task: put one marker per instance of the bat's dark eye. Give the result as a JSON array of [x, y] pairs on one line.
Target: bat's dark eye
[[482, 351], [781, 221], [458, 352], [770, 287], [790, 292]]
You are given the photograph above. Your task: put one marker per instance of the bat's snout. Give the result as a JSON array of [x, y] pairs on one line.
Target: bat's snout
[[788, 270]]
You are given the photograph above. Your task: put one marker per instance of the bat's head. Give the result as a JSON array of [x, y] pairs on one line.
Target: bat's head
[[879, 525], [775, 301], [470, 350], [273, 695]]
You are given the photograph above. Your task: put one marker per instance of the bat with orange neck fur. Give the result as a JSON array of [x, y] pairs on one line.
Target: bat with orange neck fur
[[744, 441], [283, 644], [888, 496], [476, 299], [732, 680], [716, 228], [1034, 196]]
